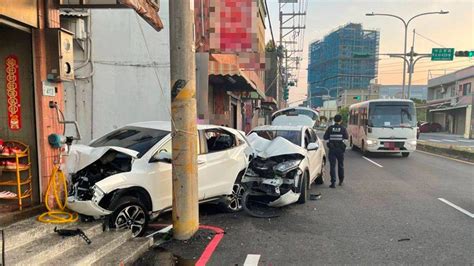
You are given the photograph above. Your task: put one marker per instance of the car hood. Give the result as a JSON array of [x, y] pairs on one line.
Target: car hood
[[298, 120], [265, 148], [81, 156]]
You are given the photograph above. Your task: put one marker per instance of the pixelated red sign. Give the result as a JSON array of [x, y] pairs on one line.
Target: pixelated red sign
[[13, 92]]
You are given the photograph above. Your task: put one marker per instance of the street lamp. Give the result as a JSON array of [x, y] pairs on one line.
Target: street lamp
[[406, 23]]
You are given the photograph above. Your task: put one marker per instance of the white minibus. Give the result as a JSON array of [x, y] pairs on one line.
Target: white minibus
[[383, 125]]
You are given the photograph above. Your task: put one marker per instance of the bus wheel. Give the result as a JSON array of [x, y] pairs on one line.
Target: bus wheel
[[353, 147], [364, 151], [405, 154]]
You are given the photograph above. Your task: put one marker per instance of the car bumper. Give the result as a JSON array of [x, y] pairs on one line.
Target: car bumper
[[396, 147], [87, 207]]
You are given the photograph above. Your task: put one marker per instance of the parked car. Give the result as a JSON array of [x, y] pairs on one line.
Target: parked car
[[126, 174], [427, 127], [289, 159]]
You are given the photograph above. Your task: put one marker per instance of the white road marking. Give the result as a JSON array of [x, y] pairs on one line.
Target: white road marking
[[252, 260], [434, 140], [457, 207], [372, 161], [449, 140], [445, 157]]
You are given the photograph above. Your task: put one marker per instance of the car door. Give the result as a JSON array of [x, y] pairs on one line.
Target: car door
[[313, 154], [161, 174], [221, 163]]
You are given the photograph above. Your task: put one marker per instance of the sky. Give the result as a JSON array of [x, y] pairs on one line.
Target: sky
[[453, 30]]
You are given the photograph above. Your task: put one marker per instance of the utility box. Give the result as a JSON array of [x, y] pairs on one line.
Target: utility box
[[60, 55]]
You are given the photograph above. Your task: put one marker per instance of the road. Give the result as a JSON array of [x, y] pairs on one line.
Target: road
[[450, 139], [367, 221], [388, 212]]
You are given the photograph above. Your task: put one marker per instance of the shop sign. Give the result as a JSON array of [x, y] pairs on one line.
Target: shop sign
[[13, 92]]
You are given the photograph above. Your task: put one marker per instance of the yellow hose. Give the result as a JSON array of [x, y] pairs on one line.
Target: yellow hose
[[57, 216]]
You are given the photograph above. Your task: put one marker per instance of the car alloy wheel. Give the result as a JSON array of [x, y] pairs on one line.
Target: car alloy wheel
[[235, 199], [131, 217]]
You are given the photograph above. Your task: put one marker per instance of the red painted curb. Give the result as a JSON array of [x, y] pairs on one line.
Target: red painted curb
[[210, 248]]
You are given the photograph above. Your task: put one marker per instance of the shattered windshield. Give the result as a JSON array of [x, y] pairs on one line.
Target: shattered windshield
[[134, 138], [392, 115], [291, 135]]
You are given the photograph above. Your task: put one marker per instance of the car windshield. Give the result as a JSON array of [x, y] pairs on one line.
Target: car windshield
[[392, 115], [135, 138], [291, 135]]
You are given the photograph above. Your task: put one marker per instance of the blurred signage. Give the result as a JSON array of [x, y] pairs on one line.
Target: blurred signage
[[13, 92], [24, 11], [442, 54]]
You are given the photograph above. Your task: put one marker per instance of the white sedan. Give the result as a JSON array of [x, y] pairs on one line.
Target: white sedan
[[126, 174], [289, 159]]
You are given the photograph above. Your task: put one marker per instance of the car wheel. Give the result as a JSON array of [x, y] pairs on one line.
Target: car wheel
[[364, 151], [233, 202], [129, 213], [320, 178], [303, 189], [405, 154]]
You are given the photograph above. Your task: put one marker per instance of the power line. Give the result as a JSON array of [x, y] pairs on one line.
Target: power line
[[426, 38]]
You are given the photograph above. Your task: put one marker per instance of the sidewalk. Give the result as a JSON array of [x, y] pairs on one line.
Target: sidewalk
[[461, 152]]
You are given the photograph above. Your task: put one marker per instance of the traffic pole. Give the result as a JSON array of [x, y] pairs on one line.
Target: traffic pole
[[185, 211]]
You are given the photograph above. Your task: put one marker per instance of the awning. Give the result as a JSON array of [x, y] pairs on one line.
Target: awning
[[224, 70], [448, 108]]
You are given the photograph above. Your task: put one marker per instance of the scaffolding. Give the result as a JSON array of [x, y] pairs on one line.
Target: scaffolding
[[332, 63]]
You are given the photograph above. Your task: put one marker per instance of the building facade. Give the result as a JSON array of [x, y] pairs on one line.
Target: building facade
[[230, 60], [450, 102], [419, 92], [345, 58]]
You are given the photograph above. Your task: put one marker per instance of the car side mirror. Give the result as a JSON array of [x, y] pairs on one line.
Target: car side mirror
[[313, 146], [162, 156]]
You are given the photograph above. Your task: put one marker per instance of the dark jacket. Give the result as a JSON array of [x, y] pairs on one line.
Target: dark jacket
[[335, 135]]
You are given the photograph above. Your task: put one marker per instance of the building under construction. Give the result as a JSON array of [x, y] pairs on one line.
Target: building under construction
[[339, 61]]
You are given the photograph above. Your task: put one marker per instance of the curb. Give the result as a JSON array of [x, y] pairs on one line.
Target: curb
[[15, 216], [448, 151]]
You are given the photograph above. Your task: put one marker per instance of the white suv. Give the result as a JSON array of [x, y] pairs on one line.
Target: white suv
[[126, 174]]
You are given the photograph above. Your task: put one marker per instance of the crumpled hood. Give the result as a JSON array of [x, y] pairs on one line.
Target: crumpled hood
[[269, 148], [80, 156], [298, 120]]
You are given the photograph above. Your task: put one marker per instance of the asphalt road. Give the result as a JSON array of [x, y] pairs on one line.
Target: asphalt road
[[388, 214], [446, 139]]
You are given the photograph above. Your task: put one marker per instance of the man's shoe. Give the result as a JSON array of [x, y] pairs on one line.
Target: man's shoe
[[340, 183], [333, 185]]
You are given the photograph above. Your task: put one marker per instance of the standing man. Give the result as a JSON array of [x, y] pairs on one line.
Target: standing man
[[335, 136]]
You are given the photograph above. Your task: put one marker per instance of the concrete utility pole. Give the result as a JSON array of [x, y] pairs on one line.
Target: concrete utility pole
[[183, 117]]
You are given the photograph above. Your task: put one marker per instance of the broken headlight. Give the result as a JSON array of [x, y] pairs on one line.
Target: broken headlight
[[251, 173], [283, 168]]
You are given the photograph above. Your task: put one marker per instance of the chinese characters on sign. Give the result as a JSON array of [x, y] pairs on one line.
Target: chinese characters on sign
[[442, 54], [13, 92]]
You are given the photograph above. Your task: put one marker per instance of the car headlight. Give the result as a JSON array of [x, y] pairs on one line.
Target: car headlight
[[98, 193], [285, 167], [371, 142]]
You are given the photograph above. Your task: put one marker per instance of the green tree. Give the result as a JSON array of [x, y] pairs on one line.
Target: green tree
[[344, 112]]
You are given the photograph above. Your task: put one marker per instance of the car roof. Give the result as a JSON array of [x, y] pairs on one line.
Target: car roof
[[166, 125], [276, 128]]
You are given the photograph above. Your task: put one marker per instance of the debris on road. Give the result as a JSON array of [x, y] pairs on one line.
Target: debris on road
[[404, 239], [315, 196]]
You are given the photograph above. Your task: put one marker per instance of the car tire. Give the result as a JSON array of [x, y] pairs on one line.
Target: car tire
[[233, 203], [129, 213], [320, 178], [303, 189], [405, 154], [363, 150]]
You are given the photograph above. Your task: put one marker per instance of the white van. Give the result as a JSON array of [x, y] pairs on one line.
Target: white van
[[296, 116], [384, 125]]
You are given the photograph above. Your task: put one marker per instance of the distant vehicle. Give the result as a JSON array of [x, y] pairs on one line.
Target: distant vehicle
[[384, 125], [126, 174], [296, 116], [427, 127]]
